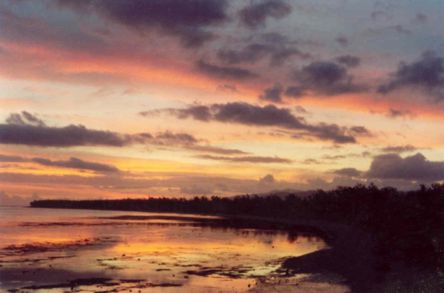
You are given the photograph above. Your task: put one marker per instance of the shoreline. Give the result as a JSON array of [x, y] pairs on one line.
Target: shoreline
[[333, 234], [231, 269], [351, 255]]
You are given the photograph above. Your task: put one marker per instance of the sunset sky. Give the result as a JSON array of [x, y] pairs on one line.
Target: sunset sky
[[112, 99]]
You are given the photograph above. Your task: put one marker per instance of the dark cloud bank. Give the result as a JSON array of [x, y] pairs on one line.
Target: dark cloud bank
[[392, 166], [328, 78], [277, 52], [72, 135], [76, 163], [416, 167], [23, 129], [268, 116], [72, 163], [19, 131], [427, 74], [189, 20], [318, 77]]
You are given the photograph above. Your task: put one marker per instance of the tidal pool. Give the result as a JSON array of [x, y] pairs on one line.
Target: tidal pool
[[60, 250]]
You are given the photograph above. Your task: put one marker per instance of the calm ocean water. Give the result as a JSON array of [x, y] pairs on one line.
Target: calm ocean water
[[55, 250]]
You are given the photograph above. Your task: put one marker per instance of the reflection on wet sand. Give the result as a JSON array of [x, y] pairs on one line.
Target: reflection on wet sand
[[54, 245], [121, 252]]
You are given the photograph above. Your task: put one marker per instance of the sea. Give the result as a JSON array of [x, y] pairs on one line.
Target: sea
[[72, 250]]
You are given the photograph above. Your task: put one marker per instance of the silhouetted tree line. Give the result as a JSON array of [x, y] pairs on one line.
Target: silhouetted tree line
[[407, 227]]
